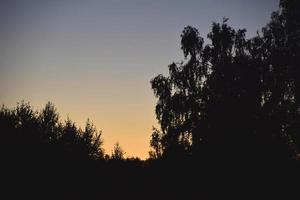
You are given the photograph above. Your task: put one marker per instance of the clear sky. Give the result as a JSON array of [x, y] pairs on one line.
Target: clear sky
[[95, 58]]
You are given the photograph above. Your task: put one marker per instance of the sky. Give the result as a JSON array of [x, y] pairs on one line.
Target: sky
[[95, 59]]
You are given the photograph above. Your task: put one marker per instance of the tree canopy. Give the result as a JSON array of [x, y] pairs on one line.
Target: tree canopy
[[234, 97]]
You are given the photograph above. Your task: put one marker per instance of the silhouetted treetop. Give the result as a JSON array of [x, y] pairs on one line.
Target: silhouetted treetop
[[42, 134], [117, 153], [191, 42]]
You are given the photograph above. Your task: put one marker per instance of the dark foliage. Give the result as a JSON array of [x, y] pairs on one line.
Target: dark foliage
[[35, 135], [229, 123], [235, 99]]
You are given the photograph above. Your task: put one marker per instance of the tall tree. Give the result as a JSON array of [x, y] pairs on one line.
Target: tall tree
[[235, 96]]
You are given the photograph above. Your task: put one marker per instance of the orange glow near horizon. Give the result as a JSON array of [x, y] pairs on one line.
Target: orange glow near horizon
[[95, 59], [130, 125]]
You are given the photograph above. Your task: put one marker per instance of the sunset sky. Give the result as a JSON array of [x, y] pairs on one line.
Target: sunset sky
[[94, 59]]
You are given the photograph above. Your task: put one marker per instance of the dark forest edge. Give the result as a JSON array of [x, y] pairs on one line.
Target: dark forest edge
[[36, 131], [230, 109]]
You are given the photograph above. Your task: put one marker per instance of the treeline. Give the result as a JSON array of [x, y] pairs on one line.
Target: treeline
[[32, 134], [229, 111], [42, 154]]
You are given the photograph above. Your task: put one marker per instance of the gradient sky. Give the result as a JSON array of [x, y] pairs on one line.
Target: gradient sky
[[95, 58]]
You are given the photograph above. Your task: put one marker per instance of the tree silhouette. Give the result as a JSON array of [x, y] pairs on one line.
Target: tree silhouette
[[49, 120], [156, 144], [34, 135], [117, 153], [92, 141], [235, 96], [229, 111]]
